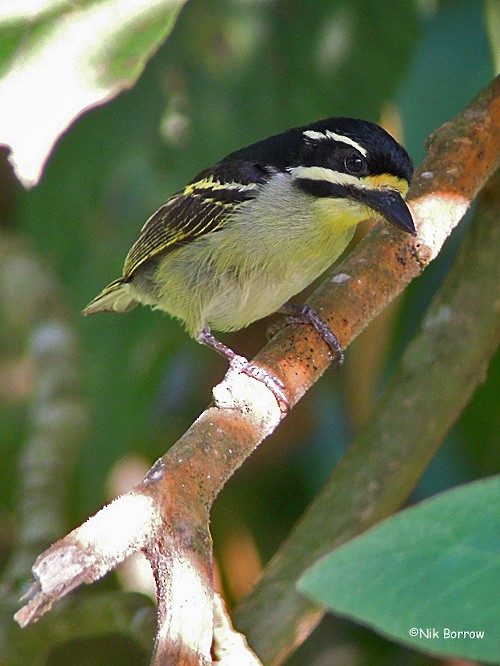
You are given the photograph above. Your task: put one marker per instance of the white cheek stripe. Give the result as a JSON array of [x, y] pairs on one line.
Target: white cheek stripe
[[327, 134], [336, 177]]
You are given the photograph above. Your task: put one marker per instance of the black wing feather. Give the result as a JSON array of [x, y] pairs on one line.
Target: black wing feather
[[201, 208]]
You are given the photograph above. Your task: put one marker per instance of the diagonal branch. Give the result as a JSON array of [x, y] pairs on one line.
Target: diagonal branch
[[432, 384], [167, 515]]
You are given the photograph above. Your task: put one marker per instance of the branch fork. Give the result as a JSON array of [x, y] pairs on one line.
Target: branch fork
[[166, 516]]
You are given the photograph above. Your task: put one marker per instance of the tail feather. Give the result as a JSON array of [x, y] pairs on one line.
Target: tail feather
[[116, 297]]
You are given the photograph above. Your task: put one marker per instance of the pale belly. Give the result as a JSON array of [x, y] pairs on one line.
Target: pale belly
[[199, 293], [236, 306]]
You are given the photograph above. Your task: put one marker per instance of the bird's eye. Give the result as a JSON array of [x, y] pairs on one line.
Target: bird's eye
[[354, 163]]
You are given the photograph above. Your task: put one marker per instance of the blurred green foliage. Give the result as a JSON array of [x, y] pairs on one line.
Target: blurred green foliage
[[234, 71], [431, 548]]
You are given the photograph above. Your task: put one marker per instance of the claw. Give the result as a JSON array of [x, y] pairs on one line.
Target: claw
[[241, 364], [273, 383], [305, 314]]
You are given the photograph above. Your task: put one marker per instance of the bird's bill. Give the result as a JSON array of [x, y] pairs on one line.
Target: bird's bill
[[391, 206]]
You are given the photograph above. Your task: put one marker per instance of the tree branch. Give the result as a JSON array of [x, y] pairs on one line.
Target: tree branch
[[167, 514], [435, 379]]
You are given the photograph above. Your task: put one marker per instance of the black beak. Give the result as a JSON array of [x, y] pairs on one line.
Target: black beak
[[391, 205]]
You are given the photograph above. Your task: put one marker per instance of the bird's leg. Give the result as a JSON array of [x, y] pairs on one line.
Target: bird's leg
[[305, 314], [242, 364]]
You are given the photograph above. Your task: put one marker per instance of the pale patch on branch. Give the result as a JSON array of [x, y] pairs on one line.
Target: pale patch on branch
[[89, 552], [437, 214], [230, 647]]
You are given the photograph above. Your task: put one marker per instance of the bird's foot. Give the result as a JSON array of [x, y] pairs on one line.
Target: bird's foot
[[243, 365], [305, 314], [273, 383]]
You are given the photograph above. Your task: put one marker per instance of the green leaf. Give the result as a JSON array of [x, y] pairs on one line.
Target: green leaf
[[64, 57], [424, 575]]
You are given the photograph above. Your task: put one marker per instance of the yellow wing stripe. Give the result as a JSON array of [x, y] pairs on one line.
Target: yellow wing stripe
[[201, 208]]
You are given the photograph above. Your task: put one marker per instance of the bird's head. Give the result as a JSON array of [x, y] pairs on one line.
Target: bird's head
[[344, 163], [353, 160]]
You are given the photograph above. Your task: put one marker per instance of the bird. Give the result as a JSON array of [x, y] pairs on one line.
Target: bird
[[256, 228]]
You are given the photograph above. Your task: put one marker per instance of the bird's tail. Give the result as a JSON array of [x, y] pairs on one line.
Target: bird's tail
[[116, 297]]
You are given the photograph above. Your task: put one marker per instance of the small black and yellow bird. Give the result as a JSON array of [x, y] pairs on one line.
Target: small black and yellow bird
[[259, 226]]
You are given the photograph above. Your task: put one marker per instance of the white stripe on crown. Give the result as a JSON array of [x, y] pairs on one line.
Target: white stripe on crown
[[328, 134]]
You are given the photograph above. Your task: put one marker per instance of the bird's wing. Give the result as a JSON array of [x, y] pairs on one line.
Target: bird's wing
[[202, 207]]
